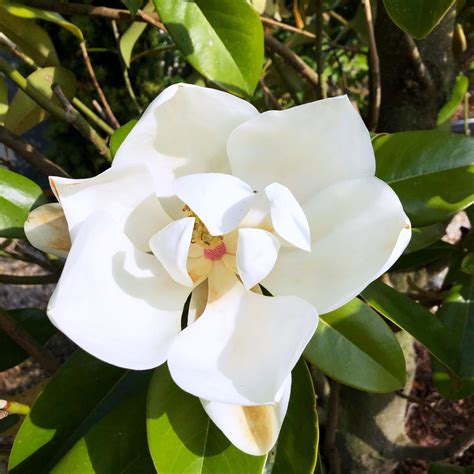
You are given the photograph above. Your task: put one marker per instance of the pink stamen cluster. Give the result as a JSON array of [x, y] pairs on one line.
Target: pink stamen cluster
[[215, 253]]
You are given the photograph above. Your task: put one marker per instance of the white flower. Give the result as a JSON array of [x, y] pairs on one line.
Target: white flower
[[207, 195]]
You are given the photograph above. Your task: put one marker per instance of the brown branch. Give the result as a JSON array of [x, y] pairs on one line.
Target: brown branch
[[78, 122], [108, 111], [269, 95], [16, 332], [321, 87], [291, 58], [330, 448], [283, 26], [421, 70], [375, 83], [29, 279], [22, 148]]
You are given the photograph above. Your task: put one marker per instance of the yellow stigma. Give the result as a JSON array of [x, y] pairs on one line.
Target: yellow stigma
[[201, 235]]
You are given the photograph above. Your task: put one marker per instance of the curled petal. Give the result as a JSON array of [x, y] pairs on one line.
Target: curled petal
[[358, 231], [114, 301], [244, 346], [221, 201], [257, 253], [184, 131], [46, 229], [305, 148], [252, 429]]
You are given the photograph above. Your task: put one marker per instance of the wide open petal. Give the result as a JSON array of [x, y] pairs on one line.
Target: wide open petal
[[244, 346], [358, 231], [114, 301], [221, 201], [305, 148], [184, 131], [252, 429], [125, 193], [46, 229]]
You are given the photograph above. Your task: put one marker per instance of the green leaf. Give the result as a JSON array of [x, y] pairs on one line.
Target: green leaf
[[297, 448], [417, 17], [222, 39], [435, 252], [32, 39], [422, 237], [18, 195], [431, 172], [24, 11], [24, 113], [130, 37], [182, 438], [36, 324], [414, 319], [3, 99], [457, 95], [117, 442], [119, 136], [457, 313], [467, 264], [76, 397], [443, 468], [368, 355], [133, 5]]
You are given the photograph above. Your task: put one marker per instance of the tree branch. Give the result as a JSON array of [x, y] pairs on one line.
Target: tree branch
[[421, 71], [321, 87], [330, 448], [28, 280], [22, 148]]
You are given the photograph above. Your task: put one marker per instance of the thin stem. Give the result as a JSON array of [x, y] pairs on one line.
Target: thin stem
[[92, 116], [110, 115], [331, 429], [467, 130], [153, 52], [28, 280], [269, 95], [375, 83], [321, 86], [283, 26], [14, 408], [421, 70], [16, 332]]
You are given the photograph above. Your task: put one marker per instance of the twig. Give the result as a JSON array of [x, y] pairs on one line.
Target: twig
[[269, 95], [92, 116], [467, 130], [72, 116], [283, 26], [330, 448], [375, 84], [28, 280], [14, 330], [291, 58], [80, 123], [14, 48], [30, 154], [108, 111], [153, 52], [321, 86], [421, 70]]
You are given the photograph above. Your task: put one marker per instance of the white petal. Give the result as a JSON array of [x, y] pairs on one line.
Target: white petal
[[171, 247], [198, 302], [221, 201], [358, 230], [184, 131], [115, 301], [288, 218], [252, 429], [126, 193], [257, 252], [244, 346], [305, 148], [46, 229]]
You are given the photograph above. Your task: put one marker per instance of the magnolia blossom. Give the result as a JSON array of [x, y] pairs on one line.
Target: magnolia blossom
[[208, 197]]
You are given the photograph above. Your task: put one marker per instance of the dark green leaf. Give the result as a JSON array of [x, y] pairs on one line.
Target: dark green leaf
[[417, 17], [414, 319], [467, 264], [443, 468], [222, 39], [182, 438], [18, 195], [119, 136], [297, 448], [23, 112], [431, 172], [435, 252], [457, 95], [457, 313], [368, 355], [133, 5], [36, 324], [3, 99], [422, 237]]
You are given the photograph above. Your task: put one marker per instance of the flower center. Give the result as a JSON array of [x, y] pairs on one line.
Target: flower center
[[215, 253]]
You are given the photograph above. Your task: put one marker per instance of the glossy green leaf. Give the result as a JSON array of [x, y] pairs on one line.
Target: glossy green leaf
[[3, 99], [117, 442], [457, 95], [457, 313], [222, 39], [297, 448], [422, 237], [133, 5], [417, 17], [467, 264], [354, 346], [119, 136], [414, 319], [433, 253], [24, 113], [32, 39], [131, 36], [431, 172], [36, 324], [80, 393], [181, 437], [18, 195], [24, 11]]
